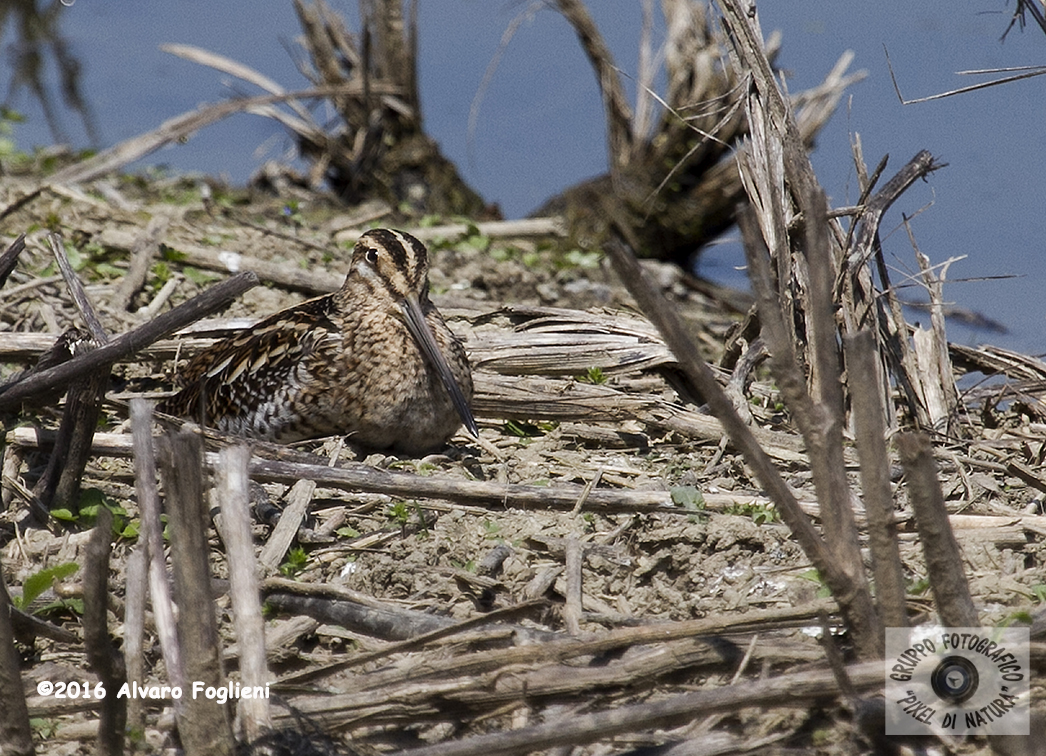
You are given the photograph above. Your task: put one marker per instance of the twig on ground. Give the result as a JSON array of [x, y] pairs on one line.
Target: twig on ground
[[143, 252], [586, 728], [209, 301]]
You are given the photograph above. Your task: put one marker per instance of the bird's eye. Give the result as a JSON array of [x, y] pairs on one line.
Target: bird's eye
[[371, 256]]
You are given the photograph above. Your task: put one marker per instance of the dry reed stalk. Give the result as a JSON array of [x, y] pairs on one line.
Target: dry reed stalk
[[15, 733], [145, 480], [136, 594], [217, 296], [944, 563], [234, 502], [793, 689], [870, 438], [105, 659], [203, 726]]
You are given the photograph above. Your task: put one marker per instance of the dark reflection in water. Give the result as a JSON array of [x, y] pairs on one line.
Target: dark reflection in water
[[37, 45]]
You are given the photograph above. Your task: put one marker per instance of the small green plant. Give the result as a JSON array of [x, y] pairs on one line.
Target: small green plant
[[594, 375], [198, 276], [524, 429], [295, 562], [503, 254], [1019, 617], [399, 513], [161, 274], [347, 532], [761, 514], [576, 258], [44, 728], [86, 515], [815, 577], [919, 587], [473, 239], [531, 258], [170, 254], [292, 213], [42, 580]]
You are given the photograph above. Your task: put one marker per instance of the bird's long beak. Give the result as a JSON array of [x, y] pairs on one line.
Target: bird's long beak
[[422, 334]]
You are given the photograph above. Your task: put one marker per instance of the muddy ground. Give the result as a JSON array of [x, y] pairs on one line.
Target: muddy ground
[[689, 560]]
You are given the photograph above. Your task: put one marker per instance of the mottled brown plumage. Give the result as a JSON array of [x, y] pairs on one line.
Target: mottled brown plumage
[[374, 361]]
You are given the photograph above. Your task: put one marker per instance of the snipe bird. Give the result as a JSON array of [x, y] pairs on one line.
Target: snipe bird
[[374, 361]]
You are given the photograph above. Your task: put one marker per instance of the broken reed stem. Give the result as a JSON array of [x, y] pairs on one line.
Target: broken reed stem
[[813, 420], [59, 487], [870, 439], [881, 311], [136, 593], [944, 564], [747, 40], [572, 609], [853, 597], [825, 441], [578, 730], [545, 647], [106, 661], [9, 258], [213, 299], [243, 586], [286, 530], [204, 727], [386, 623], [145, 249], [76, 290], [16, 736], [151, 543], [937, 371]]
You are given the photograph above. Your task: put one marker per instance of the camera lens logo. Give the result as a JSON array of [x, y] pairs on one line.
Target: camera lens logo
[[955, 679]]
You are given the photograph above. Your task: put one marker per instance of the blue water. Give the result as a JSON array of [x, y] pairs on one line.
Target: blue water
[[540, 123]]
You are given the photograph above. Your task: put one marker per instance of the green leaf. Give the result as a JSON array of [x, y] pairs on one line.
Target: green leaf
[[40, 581], [522, 429], [687, 497]]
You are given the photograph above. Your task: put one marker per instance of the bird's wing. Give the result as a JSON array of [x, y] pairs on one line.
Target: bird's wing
[[252, 365]]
